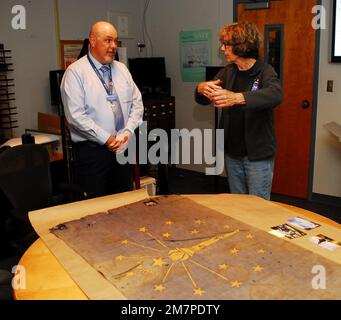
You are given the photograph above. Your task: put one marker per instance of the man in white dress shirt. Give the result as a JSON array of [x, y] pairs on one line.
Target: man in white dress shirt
[[103, 107]]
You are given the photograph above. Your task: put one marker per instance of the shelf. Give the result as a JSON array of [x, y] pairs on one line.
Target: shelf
[[8, 110], [6, 88], [2, 112], [9, 122], [8, 128], [7, 100], [7, 94]]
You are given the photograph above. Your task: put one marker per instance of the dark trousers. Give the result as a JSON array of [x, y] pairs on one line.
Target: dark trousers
[[98, 171]]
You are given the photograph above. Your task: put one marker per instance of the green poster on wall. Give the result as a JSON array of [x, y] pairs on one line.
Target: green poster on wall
[[195, 54]]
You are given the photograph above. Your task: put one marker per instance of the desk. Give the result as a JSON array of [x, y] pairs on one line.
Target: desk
[[47, 279], [51, 142]]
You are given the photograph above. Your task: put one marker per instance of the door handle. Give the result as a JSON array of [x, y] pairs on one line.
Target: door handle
[[305, 104]]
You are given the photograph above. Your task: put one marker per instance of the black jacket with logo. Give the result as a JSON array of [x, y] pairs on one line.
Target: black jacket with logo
[[260, 136]]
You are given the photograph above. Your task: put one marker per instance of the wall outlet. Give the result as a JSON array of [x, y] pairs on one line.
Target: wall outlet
[[330, 85]]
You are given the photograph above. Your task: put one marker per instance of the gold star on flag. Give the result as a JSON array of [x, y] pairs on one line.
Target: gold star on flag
[[150, 203], [130, 274], [234, 251], [195, 231], [169, 223], [119, 258], [258, 269], [125, 242], [158, 262], [249, 236], [223, 266], [167, 235], [143, 229], [198, 292], [261, 251], [159, 287], [236, 284], [198, 222]]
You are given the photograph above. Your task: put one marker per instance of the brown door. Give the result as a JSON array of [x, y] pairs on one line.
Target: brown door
[[293, 118]]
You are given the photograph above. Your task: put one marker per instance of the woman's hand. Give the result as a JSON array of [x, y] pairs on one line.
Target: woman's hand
[[224, 98], [206, 88]]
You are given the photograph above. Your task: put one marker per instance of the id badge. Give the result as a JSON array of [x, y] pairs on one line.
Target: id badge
[[112, 98]]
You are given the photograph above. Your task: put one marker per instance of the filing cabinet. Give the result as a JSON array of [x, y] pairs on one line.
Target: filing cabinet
[[159, 114]]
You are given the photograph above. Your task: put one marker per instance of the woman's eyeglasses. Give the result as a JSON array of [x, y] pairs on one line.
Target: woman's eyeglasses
[[228, 43]]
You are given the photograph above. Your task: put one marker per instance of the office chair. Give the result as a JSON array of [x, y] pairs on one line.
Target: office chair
[[71, 164], [5, 285], [25, 181]]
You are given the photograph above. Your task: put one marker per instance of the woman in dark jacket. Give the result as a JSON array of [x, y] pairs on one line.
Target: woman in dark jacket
[[246, 91]]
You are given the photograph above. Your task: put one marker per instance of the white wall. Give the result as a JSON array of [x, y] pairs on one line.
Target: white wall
[[34, 54], [165, 19], [77, 16], [327, 168]]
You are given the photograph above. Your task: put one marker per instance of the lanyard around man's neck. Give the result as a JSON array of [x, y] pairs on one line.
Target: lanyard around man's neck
[[107, 88]]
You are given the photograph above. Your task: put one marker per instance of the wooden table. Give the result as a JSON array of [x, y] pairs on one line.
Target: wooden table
[[46, 278]]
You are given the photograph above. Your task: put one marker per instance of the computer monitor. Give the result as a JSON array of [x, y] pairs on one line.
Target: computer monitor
[[148, 71], [211, 72]]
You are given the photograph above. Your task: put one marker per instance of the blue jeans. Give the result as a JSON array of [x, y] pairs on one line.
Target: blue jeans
[[250, 177]]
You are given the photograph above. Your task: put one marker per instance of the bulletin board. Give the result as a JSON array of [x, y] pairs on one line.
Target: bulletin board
[[195, 54]]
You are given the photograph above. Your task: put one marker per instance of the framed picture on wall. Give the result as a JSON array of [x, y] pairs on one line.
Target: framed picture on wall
[[70, 50]]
